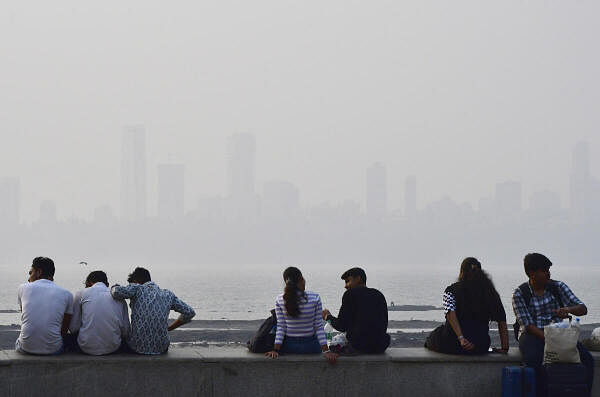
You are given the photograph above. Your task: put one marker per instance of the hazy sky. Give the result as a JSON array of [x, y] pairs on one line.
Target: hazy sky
[[462, 94]]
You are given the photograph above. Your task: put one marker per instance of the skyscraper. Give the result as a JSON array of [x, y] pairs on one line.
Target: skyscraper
[[48, 212], [410, 196], [580, 183], [9, 201], [376, 191], [171, 191], [508, 200], [241, 164], [133, 174]]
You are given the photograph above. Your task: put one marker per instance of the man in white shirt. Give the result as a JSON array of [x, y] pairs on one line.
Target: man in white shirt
[[46, 311], [99, 321]]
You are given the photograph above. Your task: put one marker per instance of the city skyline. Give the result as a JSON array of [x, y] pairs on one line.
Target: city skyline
[[242, 190]]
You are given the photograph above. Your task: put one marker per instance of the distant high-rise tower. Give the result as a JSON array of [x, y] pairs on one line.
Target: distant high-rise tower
[[508, 200], [242, 153], [580, 181], [9, 201], [410, 196], [133, 174], [48, 212], [171, 191], [376, 191]]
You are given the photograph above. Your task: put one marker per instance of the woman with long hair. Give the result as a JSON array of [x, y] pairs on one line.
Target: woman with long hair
[[299, 319], [470, 304]]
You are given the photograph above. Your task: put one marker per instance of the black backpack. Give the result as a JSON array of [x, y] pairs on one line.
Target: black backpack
[[264, 339], [526, 294]]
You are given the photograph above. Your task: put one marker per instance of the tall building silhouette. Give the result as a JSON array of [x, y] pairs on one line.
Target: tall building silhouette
[[133, 174], [580, 183], [48, 212], [410, 196], [376, 191], [171, 191], [241, 164], [508, 200], [242, 202], [9, 201]]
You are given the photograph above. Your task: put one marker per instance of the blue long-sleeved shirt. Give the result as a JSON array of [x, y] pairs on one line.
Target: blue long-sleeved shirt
[[150, 307]]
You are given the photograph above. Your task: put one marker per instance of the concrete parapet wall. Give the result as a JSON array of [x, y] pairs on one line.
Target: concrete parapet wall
[[213, 371]]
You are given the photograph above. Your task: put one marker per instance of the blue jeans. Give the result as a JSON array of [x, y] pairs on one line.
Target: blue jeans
[[301, 345], [532, 352]]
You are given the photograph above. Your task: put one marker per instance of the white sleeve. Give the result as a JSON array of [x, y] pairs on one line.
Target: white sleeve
[[69, 303], [76, 319], [19, 292]]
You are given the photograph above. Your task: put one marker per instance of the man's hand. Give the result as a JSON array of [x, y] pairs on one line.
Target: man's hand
[[272, 354], [562, 312], [331, 357], [466, 345], [325, 314]]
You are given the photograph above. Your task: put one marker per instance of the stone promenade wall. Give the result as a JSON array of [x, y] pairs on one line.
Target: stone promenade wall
[[214, 371]]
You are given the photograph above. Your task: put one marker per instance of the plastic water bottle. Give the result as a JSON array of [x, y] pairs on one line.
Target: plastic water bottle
[[562, 324], [577, 323], [328, 332]]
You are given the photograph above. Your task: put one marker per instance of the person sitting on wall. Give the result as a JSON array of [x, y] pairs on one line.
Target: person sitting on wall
[[363, 315], [46, 311], [469, 304], [150, 307], [100, 323], [538, 303], [299, 324]]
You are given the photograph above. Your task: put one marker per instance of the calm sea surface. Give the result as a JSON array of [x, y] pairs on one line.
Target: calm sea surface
[[247, 292]]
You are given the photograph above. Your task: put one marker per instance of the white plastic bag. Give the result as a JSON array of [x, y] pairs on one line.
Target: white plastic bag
[[561, 345], [596, 334], [339, 341]]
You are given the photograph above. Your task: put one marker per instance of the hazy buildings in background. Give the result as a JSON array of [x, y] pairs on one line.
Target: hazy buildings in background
[[508, 201], [376, 197], [48, 213], [274, 227], [410, 197], [171, 191], [133, 174], [280, 200], [9, 201]]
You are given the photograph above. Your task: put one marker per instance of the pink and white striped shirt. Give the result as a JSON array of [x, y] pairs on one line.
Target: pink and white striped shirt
[[308, 323]]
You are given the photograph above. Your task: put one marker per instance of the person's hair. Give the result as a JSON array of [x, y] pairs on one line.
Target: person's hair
[[291, 296], [139, 275], [97, 276], [468, 268], [355, 272], [534, 261], [476, 286], [46, 265]]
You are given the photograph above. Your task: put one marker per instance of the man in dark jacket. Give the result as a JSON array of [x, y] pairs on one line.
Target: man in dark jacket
[[363, 315]]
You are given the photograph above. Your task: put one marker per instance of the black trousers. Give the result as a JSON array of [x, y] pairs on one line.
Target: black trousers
[[532, 351]]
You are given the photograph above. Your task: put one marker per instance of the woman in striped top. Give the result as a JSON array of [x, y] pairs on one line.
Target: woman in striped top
[[299, 319]]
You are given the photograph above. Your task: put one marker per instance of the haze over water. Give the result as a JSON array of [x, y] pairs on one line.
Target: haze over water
[[248, 292]]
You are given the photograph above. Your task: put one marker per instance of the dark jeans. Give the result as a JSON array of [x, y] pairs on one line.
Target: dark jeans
[[301, 345], [532, 351]]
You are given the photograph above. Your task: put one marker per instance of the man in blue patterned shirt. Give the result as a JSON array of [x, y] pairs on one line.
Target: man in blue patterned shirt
[[538, 303], [150, 307]]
